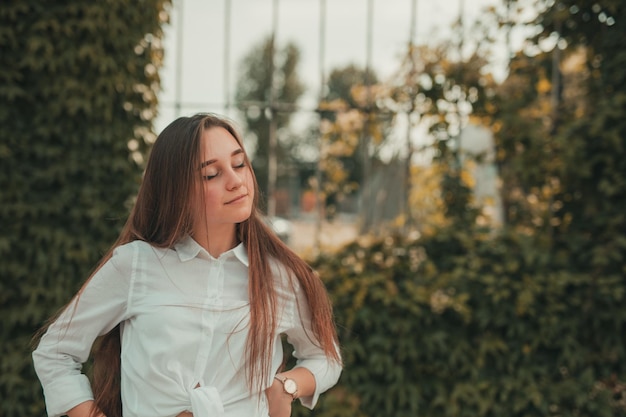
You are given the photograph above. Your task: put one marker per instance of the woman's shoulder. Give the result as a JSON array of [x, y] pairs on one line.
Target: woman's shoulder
[[124, 254], [132, 247], [284, 277]]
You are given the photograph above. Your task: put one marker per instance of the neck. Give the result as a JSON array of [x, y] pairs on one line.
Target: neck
[[218, 240]]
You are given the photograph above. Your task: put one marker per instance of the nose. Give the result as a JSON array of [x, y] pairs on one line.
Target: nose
[[235, 180]]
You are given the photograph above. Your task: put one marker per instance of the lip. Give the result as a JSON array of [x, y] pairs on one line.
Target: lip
[[237, 199]]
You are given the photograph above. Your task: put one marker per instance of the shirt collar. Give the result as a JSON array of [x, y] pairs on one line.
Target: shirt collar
[[187, 249]]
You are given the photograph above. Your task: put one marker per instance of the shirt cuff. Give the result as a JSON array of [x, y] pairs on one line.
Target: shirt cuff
[[325, 375], [58, 403]]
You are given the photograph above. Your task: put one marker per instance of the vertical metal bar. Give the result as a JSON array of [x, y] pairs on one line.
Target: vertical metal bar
[[413, 27], [179, 60], [406, 206], [226, 63], [458, 158], [366, 207], [319, 207], [271, 160]]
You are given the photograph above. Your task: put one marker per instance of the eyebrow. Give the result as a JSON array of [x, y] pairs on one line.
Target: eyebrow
[[212, 161]]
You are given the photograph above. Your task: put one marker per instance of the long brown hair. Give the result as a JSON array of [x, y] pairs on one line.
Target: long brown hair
[[164, 213]]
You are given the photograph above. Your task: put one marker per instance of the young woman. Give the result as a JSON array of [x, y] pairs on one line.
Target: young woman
[[190, 304]]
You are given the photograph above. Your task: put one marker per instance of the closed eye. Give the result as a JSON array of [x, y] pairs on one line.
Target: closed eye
[[211, 176]]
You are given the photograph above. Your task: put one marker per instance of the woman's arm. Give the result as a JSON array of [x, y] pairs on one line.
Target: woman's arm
[[314, 372], [66, 345], [85, 409]]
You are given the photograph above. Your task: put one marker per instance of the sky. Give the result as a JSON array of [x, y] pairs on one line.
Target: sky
[[200, 71]]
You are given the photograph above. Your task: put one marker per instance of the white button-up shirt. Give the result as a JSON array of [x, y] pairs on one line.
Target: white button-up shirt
[[184, 322]]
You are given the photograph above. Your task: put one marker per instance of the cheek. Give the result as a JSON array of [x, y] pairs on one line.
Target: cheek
[[249, 183], [211, 195], [209, 199]]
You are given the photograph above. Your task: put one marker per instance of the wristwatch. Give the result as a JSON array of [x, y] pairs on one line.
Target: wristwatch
[[289, 385]]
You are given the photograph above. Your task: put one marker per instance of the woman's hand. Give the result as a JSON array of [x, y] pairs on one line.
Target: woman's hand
[[278, 401]]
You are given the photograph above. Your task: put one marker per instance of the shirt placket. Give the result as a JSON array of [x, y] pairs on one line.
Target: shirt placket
[[210, 317]]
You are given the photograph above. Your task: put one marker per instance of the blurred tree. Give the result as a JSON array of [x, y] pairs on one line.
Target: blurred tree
[[588, 214], [341, 82], [440, 88], [78, 84], [268, 87], [354, 126], [528, 156], [426, 206], [561, 142]]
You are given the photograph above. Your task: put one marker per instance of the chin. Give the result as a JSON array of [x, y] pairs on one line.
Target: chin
[[244, 217]]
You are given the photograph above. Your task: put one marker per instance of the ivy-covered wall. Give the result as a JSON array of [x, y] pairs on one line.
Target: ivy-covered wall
[[466, 323], [78, 82]]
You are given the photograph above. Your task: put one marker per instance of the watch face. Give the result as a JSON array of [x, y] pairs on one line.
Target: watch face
[[290, 386]]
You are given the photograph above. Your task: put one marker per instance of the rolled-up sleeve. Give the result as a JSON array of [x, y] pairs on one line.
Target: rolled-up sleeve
[[66, 345], [308, 352]]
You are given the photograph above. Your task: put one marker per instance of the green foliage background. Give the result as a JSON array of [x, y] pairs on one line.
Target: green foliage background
[[78, 81], [464, 323], [519, 322]]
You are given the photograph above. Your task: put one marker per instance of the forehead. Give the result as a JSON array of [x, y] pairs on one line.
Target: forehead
[[217, 142]]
